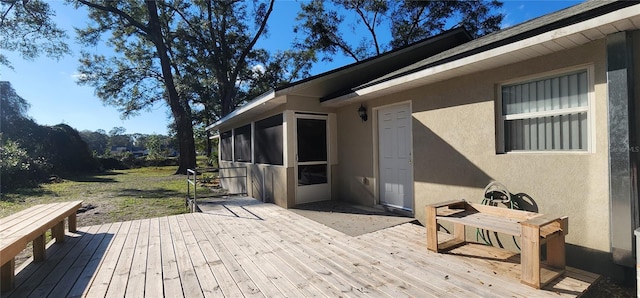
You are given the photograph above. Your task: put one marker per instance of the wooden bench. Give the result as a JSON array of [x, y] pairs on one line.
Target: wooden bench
[[17, 230], [534, 229]]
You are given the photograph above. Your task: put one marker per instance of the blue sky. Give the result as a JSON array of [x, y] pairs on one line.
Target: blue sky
[[49, 85]]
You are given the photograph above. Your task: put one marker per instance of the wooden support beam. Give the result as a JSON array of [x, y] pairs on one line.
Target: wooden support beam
[[432, 228], [57, 232], [73, 223], [39, 252], [7, 276], [530, 256]]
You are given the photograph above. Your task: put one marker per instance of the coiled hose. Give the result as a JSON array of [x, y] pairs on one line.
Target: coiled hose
[[494, 193]]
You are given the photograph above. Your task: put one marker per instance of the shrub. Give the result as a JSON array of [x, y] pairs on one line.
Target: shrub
[[18, 169], [111, 163], [66, 150]]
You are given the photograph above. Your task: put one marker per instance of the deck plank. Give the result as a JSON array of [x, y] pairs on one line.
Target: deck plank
[[305, 281], [355, 281], [171, 283], [86, 276], [259, 250], [299, 265], [433, 261], [153, 284], [138, 270], [487, 261], [350, 261], [465, 271], [266, 286], [101, 280], [208, 284], [276, 267], [240, 277], [434, 283], [188, 278], [119, 281], [256, 256], [223, 277], [79, 260]]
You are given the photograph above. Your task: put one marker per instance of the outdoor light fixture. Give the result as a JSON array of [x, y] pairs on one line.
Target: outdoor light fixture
[[362, 112]]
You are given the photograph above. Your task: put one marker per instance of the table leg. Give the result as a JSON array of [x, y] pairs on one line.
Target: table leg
[[432, 229], [556, 251], [459, 232], [530, 256]]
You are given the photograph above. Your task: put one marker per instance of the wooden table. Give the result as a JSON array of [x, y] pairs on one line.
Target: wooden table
[[534, 229]]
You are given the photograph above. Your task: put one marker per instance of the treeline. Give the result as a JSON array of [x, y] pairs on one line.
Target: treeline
[[31, 153], [117, 142], [118, 150]]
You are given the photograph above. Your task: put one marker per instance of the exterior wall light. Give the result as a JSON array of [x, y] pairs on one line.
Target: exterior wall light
[[362, 112]]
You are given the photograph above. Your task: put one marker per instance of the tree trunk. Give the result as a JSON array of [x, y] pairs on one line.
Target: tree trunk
[[182, 117], [187, 158]]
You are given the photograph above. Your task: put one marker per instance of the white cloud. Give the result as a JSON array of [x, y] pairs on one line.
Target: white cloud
[[81, 76], [259, 68]]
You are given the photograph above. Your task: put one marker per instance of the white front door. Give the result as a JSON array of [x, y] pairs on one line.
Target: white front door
[[312, 167], [394, 150]]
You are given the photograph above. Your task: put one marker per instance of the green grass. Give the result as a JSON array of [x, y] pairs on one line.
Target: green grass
[[115, 195]]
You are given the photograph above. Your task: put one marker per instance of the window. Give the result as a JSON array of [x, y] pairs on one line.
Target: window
[[268, 141], [549, 114], [242, 143], [226, 146]]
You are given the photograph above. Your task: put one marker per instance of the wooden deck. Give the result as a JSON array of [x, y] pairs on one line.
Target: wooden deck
[[264, 250]]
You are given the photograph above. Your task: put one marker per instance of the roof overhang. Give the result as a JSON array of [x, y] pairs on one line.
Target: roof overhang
[[567, 37], [261, 104]]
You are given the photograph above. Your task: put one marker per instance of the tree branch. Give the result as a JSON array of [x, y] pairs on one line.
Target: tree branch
[[248, 49], [119, 13], [370, 27], [4, 15]]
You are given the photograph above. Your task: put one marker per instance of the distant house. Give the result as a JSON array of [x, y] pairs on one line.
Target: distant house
[[549, 108], [118, 149], [136, 151]]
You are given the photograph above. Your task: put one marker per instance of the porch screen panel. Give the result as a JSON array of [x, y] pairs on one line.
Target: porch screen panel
[[242, 143], [268, 141], [312, 140], [226, 146], [547, 115]]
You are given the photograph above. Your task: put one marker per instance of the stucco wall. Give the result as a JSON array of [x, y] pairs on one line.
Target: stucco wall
[[454, 148], [263, 182], [356, 171]]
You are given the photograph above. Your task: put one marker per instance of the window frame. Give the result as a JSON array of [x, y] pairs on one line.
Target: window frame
[[589, 109]]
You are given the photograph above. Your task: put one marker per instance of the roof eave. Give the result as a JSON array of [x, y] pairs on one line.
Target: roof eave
[[264, 99]]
